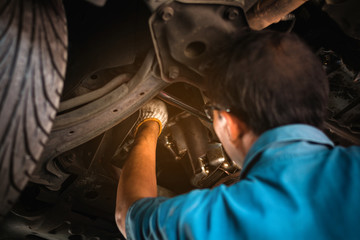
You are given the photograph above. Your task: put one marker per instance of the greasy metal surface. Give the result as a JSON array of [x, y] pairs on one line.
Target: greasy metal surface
[[65, 216], [188, 35], [215, 154], [344, 97], [93, 95], [168, 98], [341, 131], [110, 110], [190, 136], [188, 142], [267, 12], [84, 204], [83, 207]]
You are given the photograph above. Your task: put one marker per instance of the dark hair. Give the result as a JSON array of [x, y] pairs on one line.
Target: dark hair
[[270, 79]]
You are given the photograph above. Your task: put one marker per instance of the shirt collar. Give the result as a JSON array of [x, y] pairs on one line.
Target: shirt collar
[[287, 133]]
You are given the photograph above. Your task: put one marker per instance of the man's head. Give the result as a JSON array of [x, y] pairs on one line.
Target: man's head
[[269, 79]]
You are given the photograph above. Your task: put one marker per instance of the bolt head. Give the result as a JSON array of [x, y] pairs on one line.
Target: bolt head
[[232, 13], [167, 13], [174, 72]]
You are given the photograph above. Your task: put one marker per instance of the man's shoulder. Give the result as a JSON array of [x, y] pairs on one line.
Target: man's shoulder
[[345, 158], [351, 153], [352, 150]]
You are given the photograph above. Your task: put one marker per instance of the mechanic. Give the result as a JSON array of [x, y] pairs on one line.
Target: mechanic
[[269, 98]]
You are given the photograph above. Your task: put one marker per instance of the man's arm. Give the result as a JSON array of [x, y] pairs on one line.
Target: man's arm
[[138, 176]]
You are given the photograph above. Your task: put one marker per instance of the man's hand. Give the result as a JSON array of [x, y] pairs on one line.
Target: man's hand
[[155, 110], [138, 176]]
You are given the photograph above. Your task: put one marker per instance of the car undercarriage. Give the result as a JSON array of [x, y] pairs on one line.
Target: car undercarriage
[[121, 54]]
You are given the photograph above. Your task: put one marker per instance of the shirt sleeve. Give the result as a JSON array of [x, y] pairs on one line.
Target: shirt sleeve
[[200, 214]]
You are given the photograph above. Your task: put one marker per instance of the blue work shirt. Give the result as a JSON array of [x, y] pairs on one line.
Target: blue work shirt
[[295, 184]]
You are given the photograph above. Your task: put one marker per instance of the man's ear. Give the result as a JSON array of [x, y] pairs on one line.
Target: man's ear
[[234, 127]]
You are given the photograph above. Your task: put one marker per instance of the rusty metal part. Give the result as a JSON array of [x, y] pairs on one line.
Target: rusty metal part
[[166, 97], [267, 12]]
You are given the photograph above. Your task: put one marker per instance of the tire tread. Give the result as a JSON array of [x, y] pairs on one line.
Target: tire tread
[[33, 54]]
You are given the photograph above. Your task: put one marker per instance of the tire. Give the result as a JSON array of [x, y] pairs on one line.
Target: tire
[[33, 54]]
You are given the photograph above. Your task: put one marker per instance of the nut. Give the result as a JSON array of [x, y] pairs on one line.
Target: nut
[[174, 72]]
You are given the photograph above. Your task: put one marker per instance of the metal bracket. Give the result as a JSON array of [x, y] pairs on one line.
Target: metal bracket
[[103, 114], [188, 35]]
